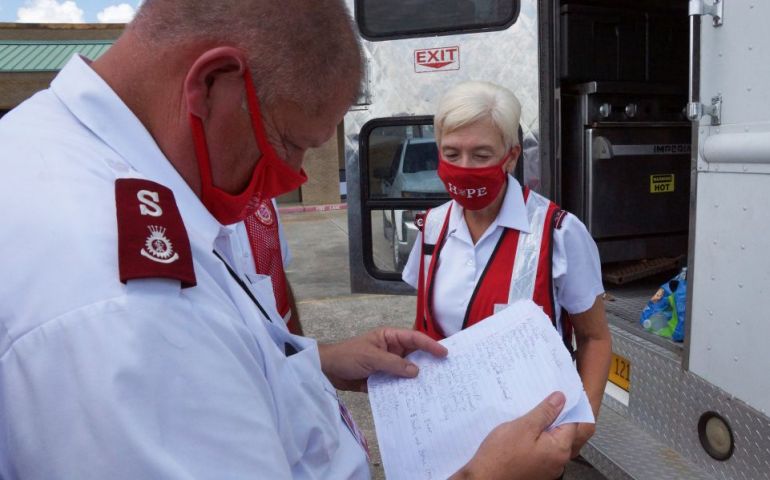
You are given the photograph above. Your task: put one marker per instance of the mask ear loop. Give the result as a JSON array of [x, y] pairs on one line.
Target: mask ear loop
[[199, 134], [208, 189], [502, 162], [506, 157], [201, 145], [255, 113], [202, 152], [267, 152]]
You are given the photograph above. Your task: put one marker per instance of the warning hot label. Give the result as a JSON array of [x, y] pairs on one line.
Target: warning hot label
[[662, 183]]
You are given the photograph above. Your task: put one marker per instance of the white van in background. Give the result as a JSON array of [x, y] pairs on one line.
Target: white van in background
[[412, 174]]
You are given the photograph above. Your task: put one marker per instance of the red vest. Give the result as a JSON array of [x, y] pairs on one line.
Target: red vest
[[265, 241], [520, 267]]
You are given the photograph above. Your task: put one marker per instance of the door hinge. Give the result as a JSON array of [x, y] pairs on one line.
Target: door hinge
[[708, 7], [695, 110]]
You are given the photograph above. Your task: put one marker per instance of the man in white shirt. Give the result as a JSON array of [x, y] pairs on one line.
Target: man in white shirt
[[132, 343]]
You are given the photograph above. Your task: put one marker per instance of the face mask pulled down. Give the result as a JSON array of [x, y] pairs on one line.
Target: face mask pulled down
[[473, 188], [271, 177]]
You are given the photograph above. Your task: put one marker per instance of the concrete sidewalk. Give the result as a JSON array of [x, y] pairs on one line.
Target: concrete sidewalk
[[320, 276]]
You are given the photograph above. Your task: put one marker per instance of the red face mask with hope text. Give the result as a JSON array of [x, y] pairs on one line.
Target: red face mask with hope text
[[473, 188], [271, 177]]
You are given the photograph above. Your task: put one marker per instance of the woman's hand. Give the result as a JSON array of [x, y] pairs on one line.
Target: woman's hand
[[349, 363], [594, 352]]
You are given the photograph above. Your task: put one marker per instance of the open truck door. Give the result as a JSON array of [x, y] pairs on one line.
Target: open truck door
[[628, 116], [728, 326], [700, 409]]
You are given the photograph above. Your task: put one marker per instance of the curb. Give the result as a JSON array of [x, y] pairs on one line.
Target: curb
[[313, 208]]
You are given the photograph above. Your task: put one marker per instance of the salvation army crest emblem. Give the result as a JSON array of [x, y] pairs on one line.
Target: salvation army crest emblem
[[157, 247], [265, 214]]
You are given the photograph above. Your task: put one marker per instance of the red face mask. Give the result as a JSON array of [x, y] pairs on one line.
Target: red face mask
[[271, 177], [473, 188]]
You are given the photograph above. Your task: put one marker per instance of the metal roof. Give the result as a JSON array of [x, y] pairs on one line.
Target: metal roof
[[46, 56]]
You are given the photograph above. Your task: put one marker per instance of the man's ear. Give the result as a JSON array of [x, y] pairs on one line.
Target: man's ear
[[510, 164], [217, 67]]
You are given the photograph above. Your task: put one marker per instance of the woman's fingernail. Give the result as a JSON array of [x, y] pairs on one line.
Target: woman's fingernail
[[411, 370]]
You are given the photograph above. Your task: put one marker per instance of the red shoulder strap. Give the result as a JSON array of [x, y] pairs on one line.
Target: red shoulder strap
[[424, 321], [544, 288], [543, 294], [152, 239]]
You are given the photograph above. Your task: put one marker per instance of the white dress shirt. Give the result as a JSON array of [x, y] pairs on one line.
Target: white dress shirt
[[144, 380], [576, 268]]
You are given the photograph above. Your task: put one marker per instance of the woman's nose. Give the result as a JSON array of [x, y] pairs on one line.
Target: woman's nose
[[464, 160]]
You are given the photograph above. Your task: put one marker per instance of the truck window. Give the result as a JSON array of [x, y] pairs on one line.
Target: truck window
[[382, 20], [402, 162], [421, 157], [399, 162]]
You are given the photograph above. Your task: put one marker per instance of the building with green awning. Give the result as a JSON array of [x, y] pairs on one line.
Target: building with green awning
[[32, 54]]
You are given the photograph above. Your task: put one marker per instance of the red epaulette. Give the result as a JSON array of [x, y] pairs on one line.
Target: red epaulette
[[558, 218], [419, 220], [152, 239]]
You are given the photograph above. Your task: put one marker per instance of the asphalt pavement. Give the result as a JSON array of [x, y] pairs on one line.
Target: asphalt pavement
[[320, 276]]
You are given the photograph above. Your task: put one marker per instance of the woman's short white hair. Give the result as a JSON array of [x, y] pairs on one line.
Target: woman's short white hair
[[472, 101]]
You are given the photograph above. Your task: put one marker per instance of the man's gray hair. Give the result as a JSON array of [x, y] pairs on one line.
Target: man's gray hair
[[299, 50]]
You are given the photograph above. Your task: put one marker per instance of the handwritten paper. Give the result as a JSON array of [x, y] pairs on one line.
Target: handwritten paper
[[496, 371]]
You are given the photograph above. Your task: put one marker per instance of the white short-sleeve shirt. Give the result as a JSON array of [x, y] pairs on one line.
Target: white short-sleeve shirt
[[576, 267]]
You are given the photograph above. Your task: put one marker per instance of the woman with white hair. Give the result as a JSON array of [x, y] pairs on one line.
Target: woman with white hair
[[495, 242]]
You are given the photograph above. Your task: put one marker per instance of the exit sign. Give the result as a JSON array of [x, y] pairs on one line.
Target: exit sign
[[437, 59]]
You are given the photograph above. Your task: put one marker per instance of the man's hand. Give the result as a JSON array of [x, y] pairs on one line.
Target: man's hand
[[522, 449], [349, 363], [584, 432]]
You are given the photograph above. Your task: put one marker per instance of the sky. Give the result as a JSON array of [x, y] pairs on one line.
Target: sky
[[68, 11]]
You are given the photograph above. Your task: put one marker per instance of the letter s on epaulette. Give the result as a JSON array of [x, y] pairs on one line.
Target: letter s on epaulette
[[152, 239]]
